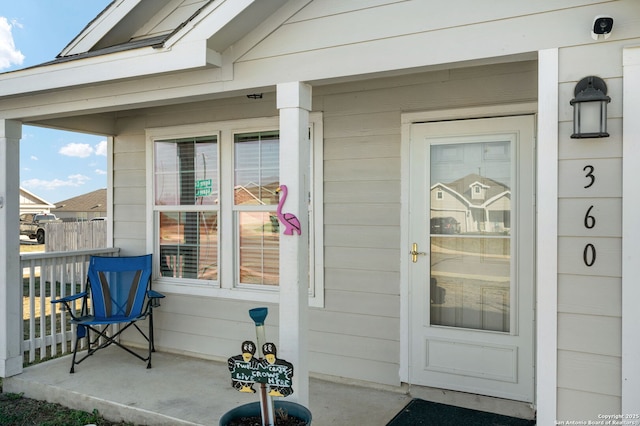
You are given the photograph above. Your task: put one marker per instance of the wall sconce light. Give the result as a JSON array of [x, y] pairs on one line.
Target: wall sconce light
[[590, 108]]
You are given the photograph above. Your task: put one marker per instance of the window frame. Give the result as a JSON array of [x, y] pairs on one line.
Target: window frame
[[227, 285]]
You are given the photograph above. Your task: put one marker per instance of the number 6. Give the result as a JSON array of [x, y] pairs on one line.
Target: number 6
[[589, 221]]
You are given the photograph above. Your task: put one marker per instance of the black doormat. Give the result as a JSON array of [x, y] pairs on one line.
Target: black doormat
[[421, 412]]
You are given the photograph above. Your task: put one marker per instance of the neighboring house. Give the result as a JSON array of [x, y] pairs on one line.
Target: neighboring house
[[361, 108], [31, 203], [478, 204], [83, 207]]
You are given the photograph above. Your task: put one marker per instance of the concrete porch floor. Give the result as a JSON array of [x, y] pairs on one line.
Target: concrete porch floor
[[180, 390]]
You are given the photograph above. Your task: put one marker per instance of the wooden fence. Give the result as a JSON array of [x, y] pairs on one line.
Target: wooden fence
[[72, 236]]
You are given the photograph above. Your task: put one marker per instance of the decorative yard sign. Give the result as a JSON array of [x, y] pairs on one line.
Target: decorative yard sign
[[246, 370], [204, 187]]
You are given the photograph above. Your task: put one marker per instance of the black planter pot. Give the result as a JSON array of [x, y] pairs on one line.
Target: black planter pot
[[253, 409]]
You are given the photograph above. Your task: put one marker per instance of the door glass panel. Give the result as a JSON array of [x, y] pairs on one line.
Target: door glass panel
[[470, 235]]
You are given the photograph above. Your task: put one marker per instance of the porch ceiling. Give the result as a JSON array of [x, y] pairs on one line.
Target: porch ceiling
[[95, 108]]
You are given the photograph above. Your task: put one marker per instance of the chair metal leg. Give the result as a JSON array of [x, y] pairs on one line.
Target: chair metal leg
[[81, 331]]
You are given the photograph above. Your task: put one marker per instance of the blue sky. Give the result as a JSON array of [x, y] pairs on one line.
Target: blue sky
[[54, 165]]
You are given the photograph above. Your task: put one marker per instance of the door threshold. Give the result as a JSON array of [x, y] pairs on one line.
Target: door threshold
[[490, 404]]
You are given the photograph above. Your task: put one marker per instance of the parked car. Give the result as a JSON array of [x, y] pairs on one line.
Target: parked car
[[444, 225], [32, 225]]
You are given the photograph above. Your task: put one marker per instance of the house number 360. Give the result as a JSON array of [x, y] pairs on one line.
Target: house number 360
[[589, 252]]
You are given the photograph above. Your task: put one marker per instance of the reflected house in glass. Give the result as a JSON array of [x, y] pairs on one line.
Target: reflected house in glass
[[479, 204]]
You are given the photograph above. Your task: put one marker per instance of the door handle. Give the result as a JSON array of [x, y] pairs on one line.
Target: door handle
[[414, 252]]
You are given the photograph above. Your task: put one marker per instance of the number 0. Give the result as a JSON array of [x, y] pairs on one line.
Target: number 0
[[589, 254]]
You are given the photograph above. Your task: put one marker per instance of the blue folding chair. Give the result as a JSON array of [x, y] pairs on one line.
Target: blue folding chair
[[119, 289]]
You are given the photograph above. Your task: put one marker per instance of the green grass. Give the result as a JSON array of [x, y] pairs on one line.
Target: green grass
[[15, 410]]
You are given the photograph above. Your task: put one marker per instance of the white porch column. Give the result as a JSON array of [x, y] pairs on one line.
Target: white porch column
[[10, 284], [294, 103]]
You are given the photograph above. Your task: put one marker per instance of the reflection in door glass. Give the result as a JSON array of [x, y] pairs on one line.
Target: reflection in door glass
[[470, 234]]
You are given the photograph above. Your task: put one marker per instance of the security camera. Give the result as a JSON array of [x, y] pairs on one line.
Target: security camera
[[602, 26]]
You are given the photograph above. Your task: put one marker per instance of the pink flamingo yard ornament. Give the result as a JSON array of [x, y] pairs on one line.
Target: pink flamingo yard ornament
[[289, 220]]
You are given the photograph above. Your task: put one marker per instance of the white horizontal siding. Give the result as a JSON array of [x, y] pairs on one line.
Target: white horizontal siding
[[383, 191], [608, 258], [354, 324], [360, 24], [129, 193], [590, 298], [589, 295], [572, 213], [375, 238], [362, 281], [322, 46], [357, 333], [589, 333], [340, 366], [596, 374], [591, 405], [362, 198]]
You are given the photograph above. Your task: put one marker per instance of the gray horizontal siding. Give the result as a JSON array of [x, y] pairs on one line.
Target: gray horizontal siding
[[356, 334]]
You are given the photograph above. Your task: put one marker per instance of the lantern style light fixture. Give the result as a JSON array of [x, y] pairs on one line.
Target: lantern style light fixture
[[590, 108]]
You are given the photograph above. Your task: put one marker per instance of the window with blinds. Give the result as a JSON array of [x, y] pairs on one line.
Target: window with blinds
[[213, 208], [186, 197], [256, 178]]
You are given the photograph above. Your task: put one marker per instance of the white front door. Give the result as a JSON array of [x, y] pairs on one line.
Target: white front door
[[471, 269]]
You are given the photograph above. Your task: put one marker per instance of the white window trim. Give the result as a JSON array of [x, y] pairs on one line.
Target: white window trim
[[547, 238], [631, 226], [225, 286]]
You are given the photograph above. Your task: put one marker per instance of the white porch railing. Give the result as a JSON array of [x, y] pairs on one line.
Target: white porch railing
[[45, 276]]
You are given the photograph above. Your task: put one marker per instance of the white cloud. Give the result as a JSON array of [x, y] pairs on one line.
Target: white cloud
[[81, 150], [78, 179], [73, 181], [33, 157], [101, 172], [9, 55], [101, 148]]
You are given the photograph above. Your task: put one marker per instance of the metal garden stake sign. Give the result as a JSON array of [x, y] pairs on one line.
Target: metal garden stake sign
[[275, 376]]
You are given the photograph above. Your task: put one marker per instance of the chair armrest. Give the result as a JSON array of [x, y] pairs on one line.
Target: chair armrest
[[154, 299], [70, 298], [154, 295]]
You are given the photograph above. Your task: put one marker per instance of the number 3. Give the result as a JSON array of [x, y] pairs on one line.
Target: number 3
[[589, 169]]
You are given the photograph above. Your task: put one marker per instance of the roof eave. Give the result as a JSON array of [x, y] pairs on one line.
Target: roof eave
[[94, 69]]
